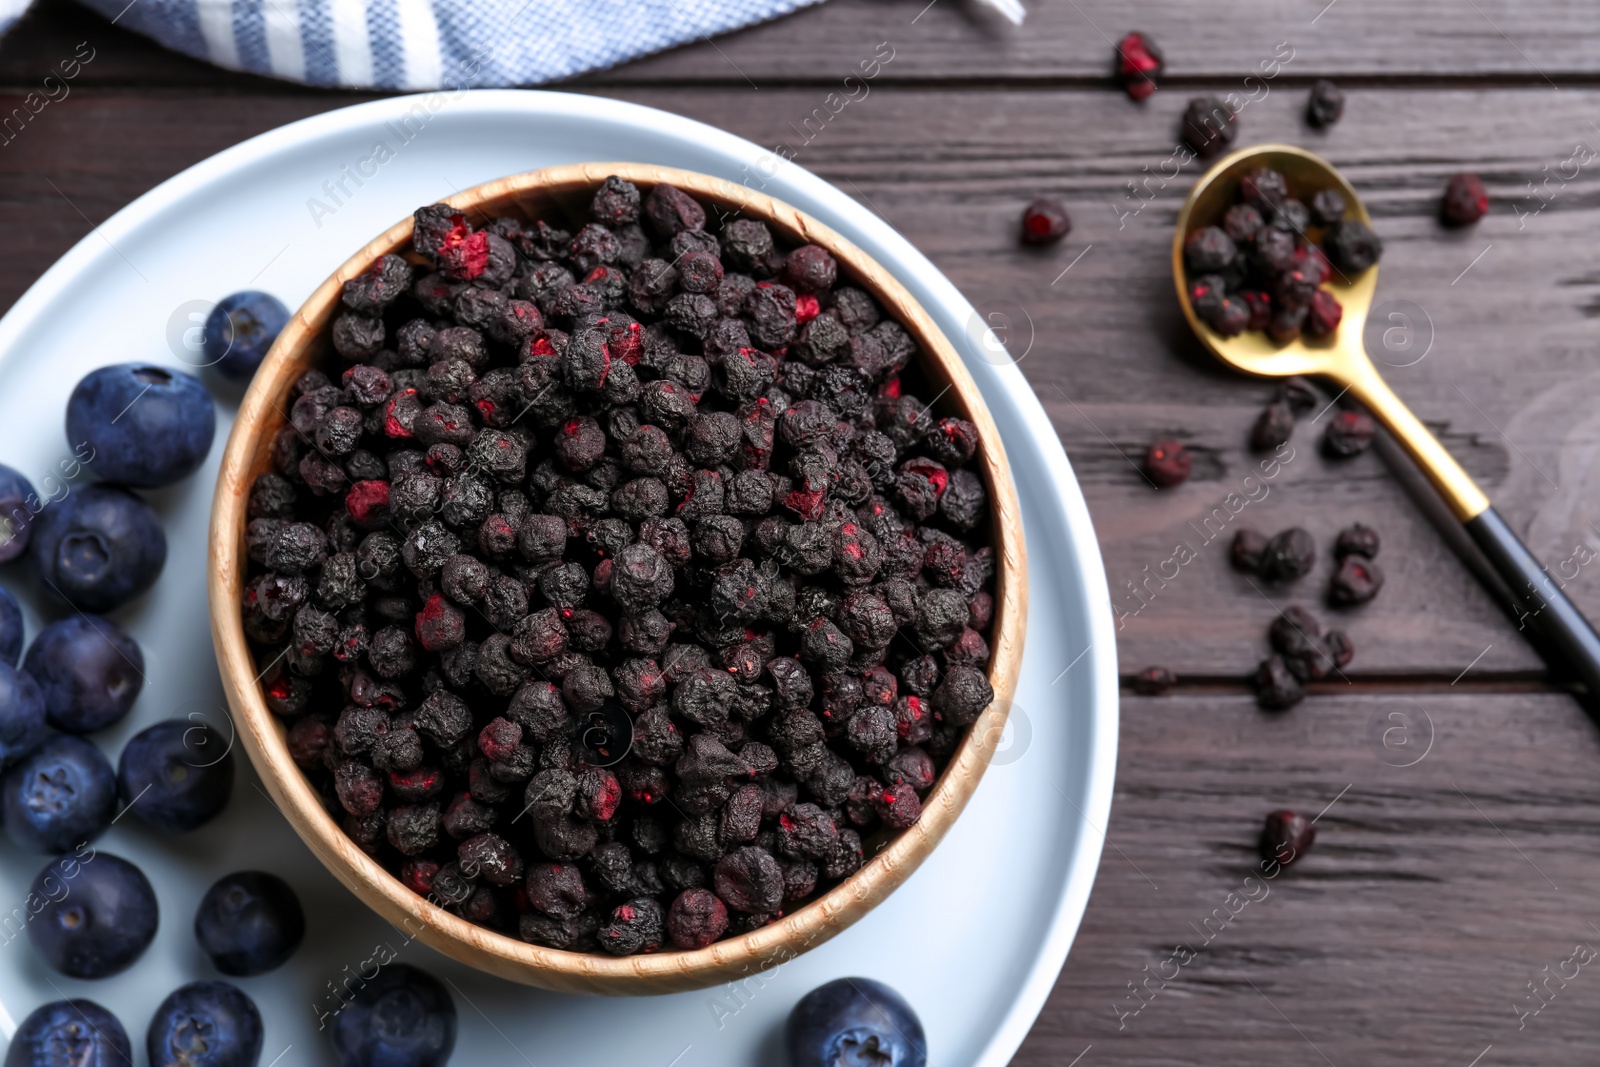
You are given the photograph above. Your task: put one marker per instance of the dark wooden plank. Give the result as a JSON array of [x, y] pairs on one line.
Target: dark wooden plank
[[954, 40], [1407, 935], [1109, 357], [957, 41]]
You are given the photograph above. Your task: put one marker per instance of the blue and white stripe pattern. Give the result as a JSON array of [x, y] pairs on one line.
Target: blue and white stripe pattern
[[426, 44]]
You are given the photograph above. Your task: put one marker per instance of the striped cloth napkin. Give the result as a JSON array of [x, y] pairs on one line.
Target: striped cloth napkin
[[426, 44]]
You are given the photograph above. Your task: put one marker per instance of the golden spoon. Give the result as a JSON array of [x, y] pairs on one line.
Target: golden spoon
[[1342, 359]]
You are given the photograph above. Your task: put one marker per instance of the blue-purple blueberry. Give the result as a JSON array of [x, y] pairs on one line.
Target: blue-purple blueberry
[[205, 1024], [16, 513], [149, 426], [96, 914], [89, 670], [70, 1033], [10, 628], [249, 922], [402, 1018], [176, 775], [61, 795], [98, 548], [851, 1021], [22, 713], [240, 330]]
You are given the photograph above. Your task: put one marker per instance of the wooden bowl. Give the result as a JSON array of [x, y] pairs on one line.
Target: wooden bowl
[[563, 192]]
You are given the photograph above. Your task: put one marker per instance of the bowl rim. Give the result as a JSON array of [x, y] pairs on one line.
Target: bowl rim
[[262, 733]]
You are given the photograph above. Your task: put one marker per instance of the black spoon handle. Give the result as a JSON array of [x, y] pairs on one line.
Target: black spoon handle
[[1539, 601]]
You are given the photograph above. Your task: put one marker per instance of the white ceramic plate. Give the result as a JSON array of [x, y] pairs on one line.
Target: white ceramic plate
[[974, 939]]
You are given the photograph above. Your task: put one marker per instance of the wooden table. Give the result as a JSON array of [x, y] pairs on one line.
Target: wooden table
[[1459, 851]]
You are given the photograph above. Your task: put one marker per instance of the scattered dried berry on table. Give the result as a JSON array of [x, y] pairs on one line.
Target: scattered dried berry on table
[[1139, 65], [1286, 837], [622, 590], [1288, 556], [1357, 581], [1310, 650], [1167, 463], [1277, 688], [1247, 549], [1300, 395], [1349, 433], [1325, 105], [1154, 681], [1045, 222], [1272, 427], [1356, 540], [1465, 201], [1209, 126]]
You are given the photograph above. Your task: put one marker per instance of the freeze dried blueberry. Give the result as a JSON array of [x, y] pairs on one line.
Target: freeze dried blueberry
[[669, 210], [1286, 837], [1349, 433], [1323, 314], [1167, 463], [1045, 221], [1465, 200], [962, 696], [1356, 540], [749, 880], [1352, 246], [1241, 223], [1357, 581], [1276, 686], [1153, 681], [1138, 65], [1208, 126], [1209, 250], [696, 919], [1273, 427], [637, 926], [1288, 556], [1287, 323], [1325, 105], [1327, 207]]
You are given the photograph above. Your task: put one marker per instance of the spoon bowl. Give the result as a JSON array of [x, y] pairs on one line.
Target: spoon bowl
[[1341, 358], [1338, 355]]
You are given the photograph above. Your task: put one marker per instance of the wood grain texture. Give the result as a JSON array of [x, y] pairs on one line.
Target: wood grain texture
[[561, 194], [1413, 929], [1433, 894]]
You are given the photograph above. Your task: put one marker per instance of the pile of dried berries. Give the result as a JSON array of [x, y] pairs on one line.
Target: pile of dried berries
[[1263, 266], [1303, 649], [616, 588]]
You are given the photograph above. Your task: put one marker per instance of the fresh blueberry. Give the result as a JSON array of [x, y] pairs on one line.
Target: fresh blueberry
[[249, 923], [10, 628], [852, 1021], [176, 775], [148, 426], [98, 548], [16, 514], [59, 796], [89, 670], [205, 1024], [240, 330], [96, 914], [70, 1033], [402, 1018], [22, 715]]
